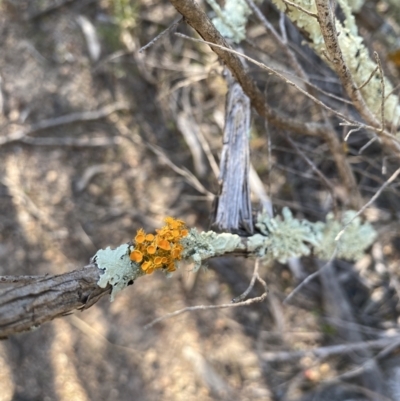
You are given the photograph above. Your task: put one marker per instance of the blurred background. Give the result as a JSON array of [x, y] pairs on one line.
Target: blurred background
[[98, 140]]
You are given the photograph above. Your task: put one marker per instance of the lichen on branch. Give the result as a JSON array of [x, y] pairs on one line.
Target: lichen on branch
[[279, 238], [355, 54]]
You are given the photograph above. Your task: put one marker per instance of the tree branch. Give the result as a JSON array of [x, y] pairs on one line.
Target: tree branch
[[334, 52], [28, 305], [199, 21]]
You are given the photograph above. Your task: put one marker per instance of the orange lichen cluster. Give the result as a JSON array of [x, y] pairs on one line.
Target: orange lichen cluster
[[159, 251]]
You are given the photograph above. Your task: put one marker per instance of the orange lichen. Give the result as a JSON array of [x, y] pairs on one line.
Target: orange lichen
[[159, 251], [136, 256], [164, 244], [140, 236], [149, 237]]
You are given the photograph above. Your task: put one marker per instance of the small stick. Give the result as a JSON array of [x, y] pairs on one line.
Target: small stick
[[243, 296], [311, 14], [62, 120], [378, 60], [369, 78], [370, 142], [206, 307], [308, 279], [380, 190], [160, 35], [328, 351], [278, 74], [328, 184]]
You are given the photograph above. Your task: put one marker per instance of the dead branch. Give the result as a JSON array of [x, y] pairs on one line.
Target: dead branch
[[326, 21], [29, 301], [26, 305], [239, 301], [233, 206], [21, 135], [329, 351]]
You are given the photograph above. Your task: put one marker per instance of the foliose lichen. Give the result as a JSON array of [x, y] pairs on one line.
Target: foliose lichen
[[201, 246], [118, 269], [232, 19], [285, 237], [355, 54], [357, 237]]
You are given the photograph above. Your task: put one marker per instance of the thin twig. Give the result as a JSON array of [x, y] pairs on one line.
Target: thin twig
[[278, 74], [250, 301], [191, 179], [269, 27], [199, 21], [389, 348], [327, 183], [328, 351], [308, 279], [378, 60], [370, 142], [282, 27], [90, 142], [378, 193], [368, 79], [346, 138], [160, 35], [334, 52], [294, 5], [88, 330], [63, 120], [243, 296]]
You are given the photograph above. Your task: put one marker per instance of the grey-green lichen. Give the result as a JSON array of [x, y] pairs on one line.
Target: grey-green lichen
[[232, 19], [119, 270], [356, 5], [286, 237], [355, 54], [357, 237], [205, 245], [283, 238]]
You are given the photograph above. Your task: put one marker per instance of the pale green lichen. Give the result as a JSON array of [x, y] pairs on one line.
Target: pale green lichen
[[289, 237], [286, 237], [232, 19], [256, 244], [282, 238], [201, 246], [357, 237], [355, 54], [356, 5], [119, 270]]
